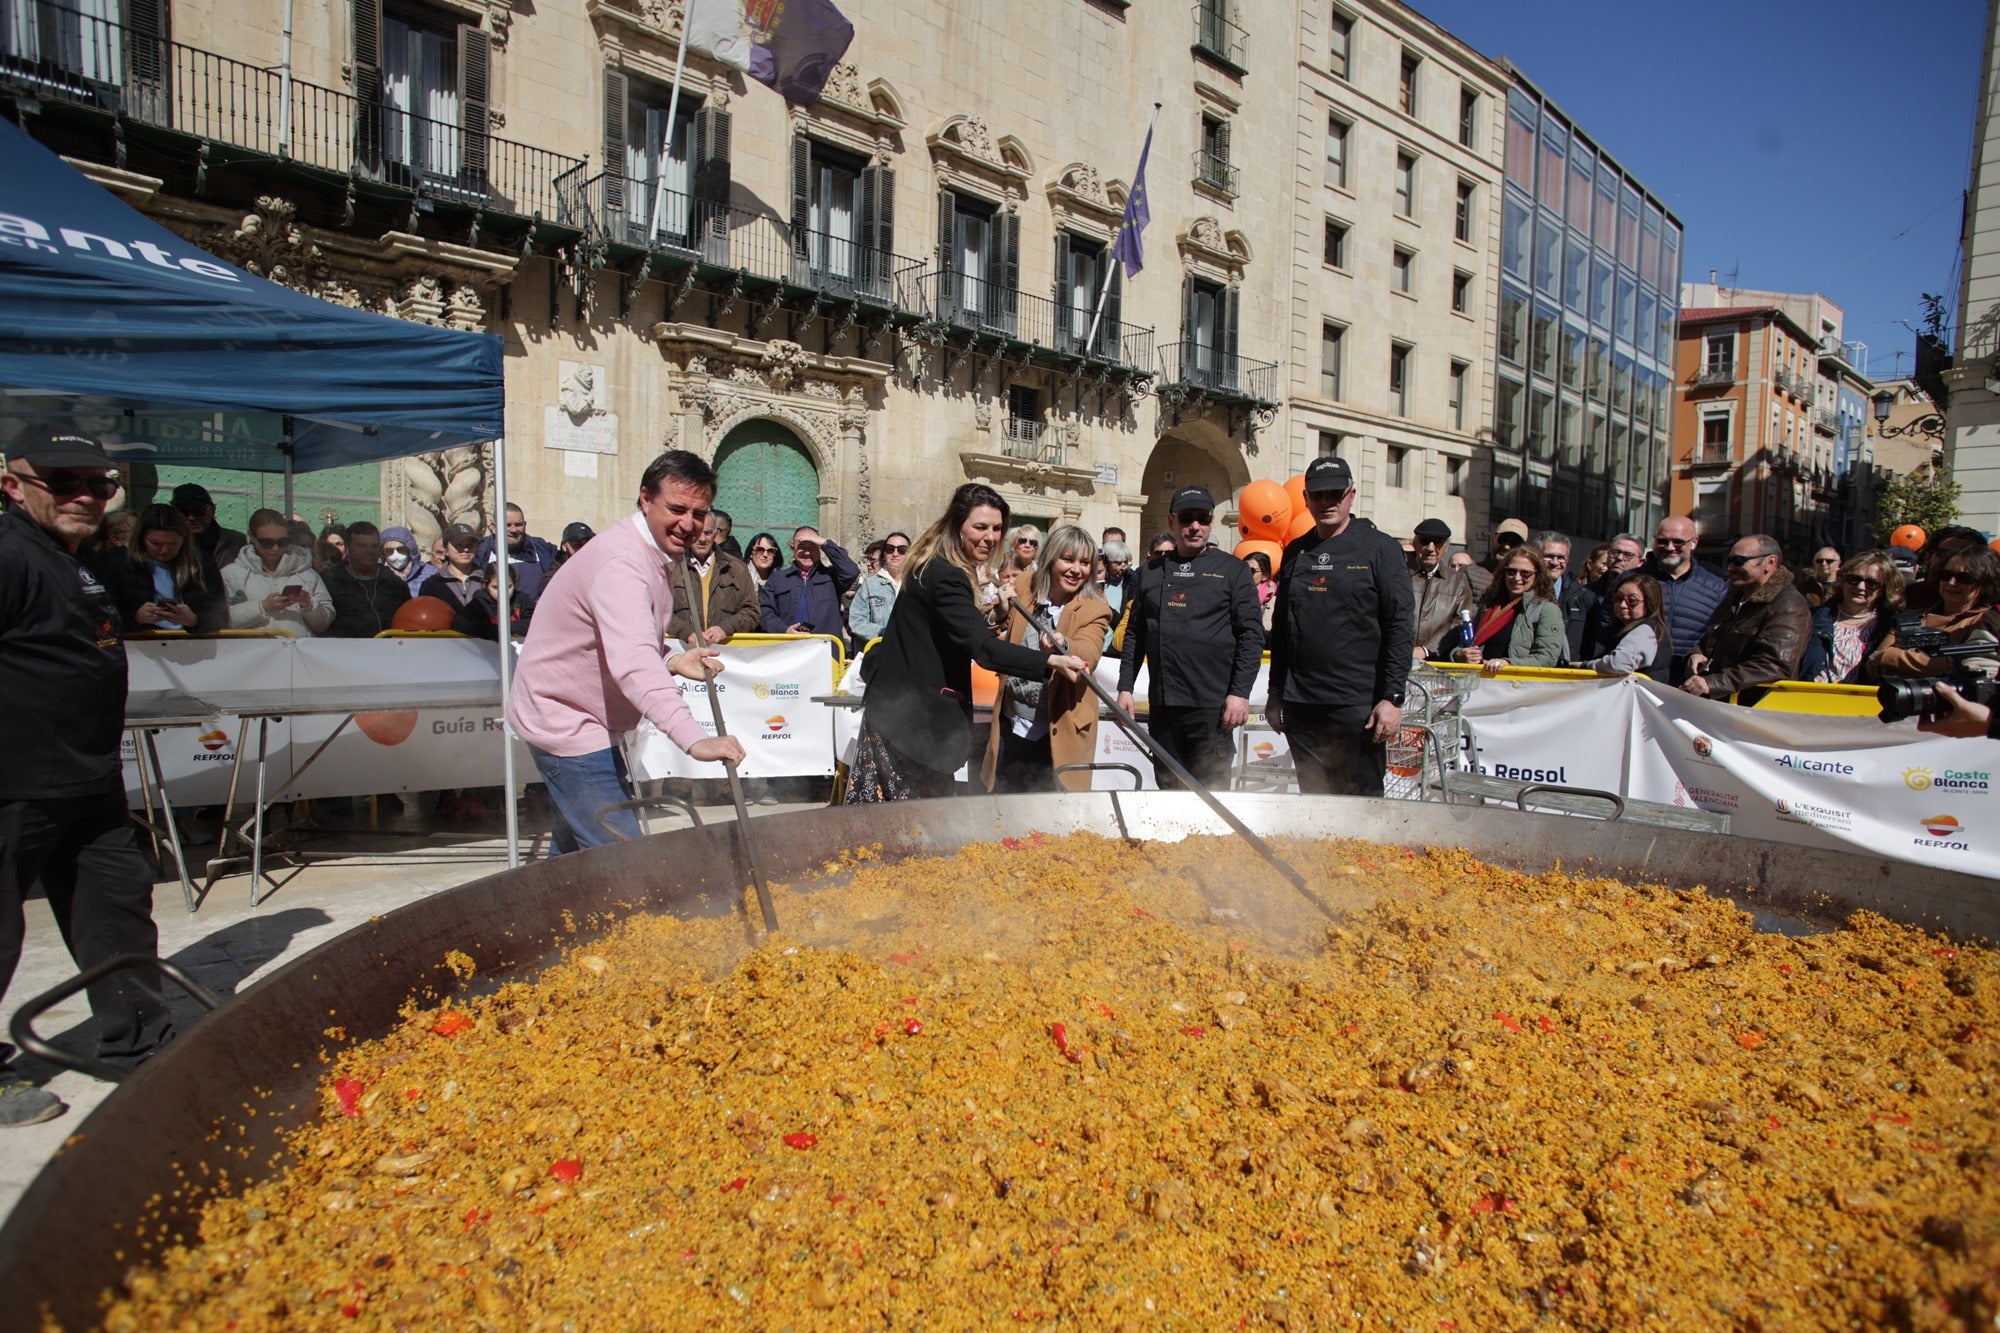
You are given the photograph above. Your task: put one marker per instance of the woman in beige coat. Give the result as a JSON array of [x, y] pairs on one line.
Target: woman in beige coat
[[1038, 726]]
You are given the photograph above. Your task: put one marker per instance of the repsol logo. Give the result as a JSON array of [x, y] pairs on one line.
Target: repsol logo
[[774, 729], [1805, 763], [1514, 774]]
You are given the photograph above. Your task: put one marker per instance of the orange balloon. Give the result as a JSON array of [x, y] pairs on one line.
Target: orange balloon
[[985, 687], [1263, 510], [422, 613], [1910, 536], [1994, 544], [1301, 525], [1296, 489], [387, 728], [1271, 549]]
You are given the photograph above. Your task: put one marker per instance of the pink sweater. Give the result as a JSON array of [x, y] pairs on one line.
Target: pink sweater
[[594, 661]]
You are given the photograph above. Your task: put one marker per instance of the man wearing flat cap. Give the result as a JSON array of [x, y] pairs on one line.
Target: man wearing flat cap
[[1197, 626], [63, 819], [1342, 630], [1439, 588]]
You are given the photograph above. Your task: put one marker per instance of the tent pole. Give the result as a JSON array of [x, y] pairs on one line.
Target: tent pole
[[288, 469], [506, 592]]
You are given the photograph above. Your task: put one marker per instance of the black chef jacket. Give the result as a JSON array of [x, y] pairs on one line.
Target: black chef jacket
[[1197, 626], [1345, 620], [62, 670]]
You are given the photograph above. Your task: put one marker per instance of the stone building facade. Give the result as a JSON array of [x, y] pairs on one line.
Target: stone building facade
[[854, 306]]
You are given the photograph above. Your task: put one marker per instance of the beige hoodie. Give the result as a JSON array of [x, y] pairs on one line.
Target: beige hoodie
[[247, 585]]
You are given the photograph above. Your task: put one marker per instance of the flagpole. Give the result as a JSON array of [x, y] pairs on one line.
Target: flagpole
[[667, 147], [1090, 340]]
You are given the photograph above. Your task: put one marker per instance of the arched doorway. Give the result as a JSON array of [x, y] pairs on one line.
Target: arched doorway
[[1178, 461], [767, 481]]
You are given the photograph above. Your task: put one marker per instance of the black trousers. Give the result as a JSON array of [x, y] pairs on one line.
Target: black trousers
[[85, 851], [1196, 738], [1332, 751], [1024, 765]]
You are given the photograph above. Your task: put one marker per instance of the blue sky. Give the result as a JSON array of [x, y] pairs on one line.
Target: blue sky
[[1811, 145]]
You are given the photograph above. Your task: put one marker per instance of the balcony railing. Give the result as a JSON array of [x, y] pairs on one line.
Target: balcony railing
[[1215, 34], [1201, 366], [1216, 172], [1823, 419], [1710, 455], [1713, 375], [1031, 440], [962, 301], [66, 55]]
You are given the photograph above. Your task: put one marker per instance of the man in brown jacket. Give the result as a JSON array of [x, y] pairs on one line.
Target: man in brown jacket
[[1759, 632], [1441, 591], [728, 594]]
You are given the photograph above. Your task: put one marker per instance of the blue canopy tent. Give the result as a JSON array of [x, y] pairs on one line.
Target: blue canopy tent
[[170, 355]]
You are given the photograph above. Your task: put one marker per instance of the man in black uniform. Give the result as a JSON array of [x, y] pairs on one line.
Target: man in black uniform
[[62, 789], [1341, 635], [1196, 624]]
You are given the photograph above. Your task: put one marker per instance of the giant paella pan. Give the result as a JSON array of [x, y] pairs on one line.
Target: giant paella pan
[[1004, 1066]]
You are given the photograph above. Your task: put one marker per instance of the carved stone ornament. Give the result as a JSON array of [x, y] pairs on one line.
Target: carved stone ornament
[[270, 243], [982, 414], [782, 363], [844, 86], [578, 393], [1079, 199], [1206, 247], [966, 153]]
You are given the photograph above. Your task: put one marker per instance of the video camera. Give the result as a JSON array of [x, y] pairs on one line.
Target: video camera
[[1917, 696]]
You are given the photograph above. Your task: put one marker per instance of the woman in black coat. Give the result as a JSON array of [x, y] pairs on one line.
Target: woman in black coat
[[916, 726], [162, 581]]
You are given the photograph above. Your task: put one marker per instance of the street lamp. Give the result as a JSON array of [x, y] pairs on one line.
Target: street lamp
[[1930, 425]]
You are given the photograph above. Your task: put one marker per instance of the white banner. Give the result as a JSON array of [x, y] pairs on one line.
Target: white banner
[[767, 692], [1572, 733]]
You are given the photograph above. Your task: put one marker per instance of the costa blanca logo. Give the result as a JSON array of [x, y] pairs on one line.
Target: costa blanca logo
[[1940, 826], [1952, 779], [766, 689], [212, 741]]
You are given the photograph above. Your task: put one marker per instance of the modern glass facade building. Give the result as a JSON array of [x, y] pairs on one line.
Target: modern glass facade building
[[1589, 297]]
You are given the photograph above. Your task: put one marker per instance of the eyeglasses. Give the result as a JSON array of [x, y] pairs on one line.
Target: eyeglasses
[[772, 550], [1956, 576], [271, 543], [68, 485], [896, 548], [1548, 559], [1192, 516], [1429, 541], [1859, 581], [1738, 561], [1026, 541], [1517, 573], [1673, 541]]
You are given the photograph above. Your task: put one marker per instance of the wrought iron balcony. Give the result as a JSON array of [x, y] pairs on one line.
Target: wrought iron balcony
[[80, 59], [1216, 172], [1710, 455], [1824, 420], [1217, 36], [1199, 367], [960, 303], [1713, 376], [1030, 440]]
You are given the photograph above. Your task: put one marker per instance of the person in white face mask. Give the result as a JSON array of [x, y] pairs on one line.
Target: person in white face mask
[[401, 557]]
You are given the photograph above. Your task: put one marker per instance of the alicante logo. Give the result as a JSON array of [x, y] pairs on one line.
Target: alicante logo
[[1940, 826], [212, 741]]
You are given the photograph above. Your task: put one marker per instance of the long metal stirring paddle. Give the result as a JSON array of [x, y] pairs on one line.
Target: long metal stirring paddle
[[1145, 741], [764, 904]]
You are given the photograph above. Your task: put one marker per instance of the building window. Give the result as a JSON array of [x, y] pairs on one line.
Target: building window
[[1509, 412], [980, 262], [659, 176], [1406, 83], [1459, 372], [1715, 437], [1081, 269], [1513, 326], [1398, 467], [1468, 117], [1516, 226], [1461, 292], [1330, 339], [1461, 222], [1340, 43], [834, 219], [1336, 243], [1401, 262], [1399, 379], [1454, 476], [1024, 420], [1406, 185], [1336, 152], [1329, 444], [1719, 356], [1214, 165], [1210, 321]]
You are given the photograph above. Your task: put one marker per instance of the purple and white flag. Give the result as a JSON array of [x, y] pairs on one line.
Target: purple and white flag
[[791, 45]]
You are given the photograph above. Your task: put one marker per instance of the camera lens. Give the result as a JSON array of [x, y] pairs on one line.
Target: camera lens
[[1902, 699]]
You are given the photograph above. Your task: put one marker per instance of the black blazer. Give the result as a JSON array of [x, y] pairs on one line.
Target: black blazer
[[131, 583], [919, 677]]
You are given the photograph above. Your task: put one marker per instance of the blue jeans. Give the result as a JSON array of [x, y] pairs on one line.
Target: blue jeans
[[579, 786]]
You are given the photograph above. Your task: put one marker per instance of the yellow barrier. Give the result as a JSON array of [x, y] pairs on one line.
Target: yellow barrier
[[1804, 696], [266, 633], [421, 634], [839, 645]]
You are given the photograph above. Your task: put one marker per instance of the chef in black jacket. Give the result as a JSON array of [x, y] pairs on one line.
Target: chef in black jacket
[[62, 789], [1196, 624], [1342, 628]]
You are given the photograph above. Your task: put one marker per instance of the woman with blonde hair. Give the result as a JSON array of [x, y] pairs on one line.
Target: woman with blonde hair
[[1038, 726], [1024, 547], [916, 723]]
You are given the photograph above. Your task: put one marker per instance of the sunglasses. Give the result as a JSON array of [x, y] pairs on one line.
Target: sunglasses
[[1188, 516], [67, 485], [1857, 581], [1026, 541], [772, 550], [1517, 573], [896, 548], [1738, 561], [1673, 541], [271, 543], [1428, 541], [1956, 576]]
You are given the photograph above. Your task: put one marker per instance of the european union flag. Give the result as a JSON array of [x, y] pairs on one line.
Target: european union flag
[[1129, 249]]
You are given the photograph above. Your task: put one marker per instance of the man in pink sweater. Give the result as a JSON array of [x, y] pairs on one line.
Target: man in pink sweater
[[595, 660]]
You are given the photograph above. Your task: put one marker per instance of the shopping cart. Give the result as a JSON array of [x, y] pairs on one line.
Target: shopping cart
[[1432, 732]]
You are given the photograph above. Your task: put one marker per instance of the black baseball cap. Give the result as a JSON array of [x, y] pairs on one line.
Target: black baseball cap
[[576, 534], [1329, 475], [1191, 497], [188, 494], [49, 447], [1433, 530], [460, 534]]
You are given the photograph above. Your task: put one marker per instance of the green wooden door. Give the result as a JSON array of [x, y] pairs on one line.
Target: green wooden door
[[352, 493], [767, 482]]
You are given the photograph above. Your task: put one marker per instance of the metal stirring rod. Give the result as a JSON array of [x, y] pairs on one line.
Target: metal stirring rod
[[764, 903]]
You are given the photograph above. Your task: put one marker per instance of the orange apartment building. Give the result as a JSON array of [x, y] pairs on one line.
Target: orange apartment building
[[1747, 456]]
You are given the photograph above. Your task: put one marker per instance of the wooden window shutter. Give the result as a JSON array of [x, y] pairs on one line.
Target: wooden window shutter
[[1010, 266], [147, 53], [1227, 347], [801, 196], [878, 228], [944, 298], [368, 80], [1187, 310], [1111, 330], [1065, 320], [475, 92], [711, 169], [614, 147], [1222, 144]]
